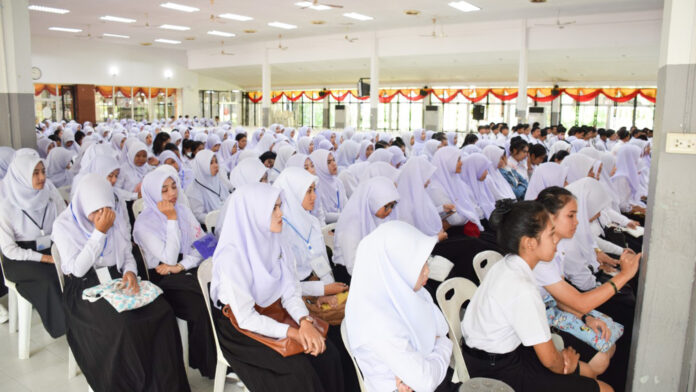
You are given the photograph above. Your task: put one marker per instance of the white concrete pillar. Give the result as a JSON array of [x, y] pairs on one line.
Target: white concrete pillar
[[266, 90], [521, 112], [17, 119], [374, 82]]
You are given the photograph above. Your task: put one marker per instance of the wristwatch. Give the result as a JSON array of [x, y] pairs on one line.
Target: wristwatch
[[181, 266], [308, 318], [584, 319]]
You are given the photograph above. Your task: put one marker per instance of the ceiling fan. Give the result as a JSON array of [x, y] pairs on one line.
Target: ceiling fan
[[222, 51], [88, 35], [434, 33], [280, 43], [558, 23], [350, 39], [316, 3], [146, 25]]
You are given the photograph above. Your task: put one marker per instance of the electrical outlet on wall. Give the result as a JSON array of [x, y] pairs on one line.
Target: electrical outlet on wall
[[681, 143]]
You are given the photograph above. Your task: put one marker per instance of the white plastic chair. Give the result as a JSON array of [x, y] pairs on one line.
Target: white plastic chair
[[20, 317], [57, 261], [327, 232], [463, 289], [65, 193], [211, 220], [138, 206], [344, 336], [205, 273], [483, 261]]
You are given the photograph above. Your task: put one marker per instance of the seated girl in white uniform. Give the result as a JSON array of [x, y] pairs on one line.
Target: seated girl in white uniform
[[505, 328]]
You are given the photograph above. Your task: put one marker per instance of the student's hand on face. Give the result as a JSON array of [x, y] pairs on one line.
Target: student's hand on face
[[130, 283], [167, 208], [104, 219], [335, 288], [401, 387], [570, 360], [599, 327]]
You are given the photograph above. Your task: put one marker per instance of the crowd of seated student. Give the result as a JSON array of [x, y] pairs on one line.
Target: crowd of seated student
[[394, 200]]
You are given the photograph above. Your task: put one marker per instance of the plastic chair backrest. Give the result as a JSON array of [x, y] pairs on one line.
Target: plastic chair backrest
[[344, 336], [211, 220], [483, 261], [205, 274], [463, 289], [57, 262], [138, 206]]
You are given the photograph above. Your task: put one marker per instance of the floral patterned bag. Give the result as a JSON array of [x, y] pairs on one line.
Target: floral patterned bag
[[113, 292], [567, 322]]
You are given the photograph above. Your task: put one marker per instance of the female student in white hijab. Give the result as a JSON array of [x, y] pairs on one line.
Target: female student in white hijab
[[498, 184], [166, 231], [58, 166], [185, 174], [474, 173], [405, 346], [142, 345], [30, 206], [448, 189], [331, 192], [253, 267], [135, 168], [305, 162], [548, 174], [626, 180], [505, 328], [614, 297], [579, 166], [207, 192], [371, 205]]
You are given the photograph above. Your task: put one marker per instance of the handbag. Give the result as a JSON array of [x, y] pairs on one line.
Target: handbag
[[112, 292], [332, 315], [615, 235], [567, 322], [285, 346]]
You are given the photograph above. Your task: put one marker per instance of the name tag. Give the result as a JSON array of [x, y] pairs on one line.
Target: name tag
[[103, 275], [43, 243]]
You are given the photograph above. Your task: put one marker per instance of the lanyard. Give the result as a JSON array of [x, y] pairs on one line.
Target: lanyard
[[87, 235], [34, 222], [216, 193], [338, 201], [306, 240]]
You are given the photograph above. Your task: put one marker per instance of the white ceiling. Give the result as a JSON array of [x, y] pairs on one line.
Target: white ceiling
[[388, 14]]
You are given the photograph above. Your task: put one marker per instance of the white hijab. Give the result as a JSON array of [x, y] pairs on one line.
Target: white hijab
[[330, 189], [578, 166], [246, 172], [151, 220], [17, 184], [415, 206], [57, 166], [249, 257], [358, 218], [212, 192], [347, 153], [446, 179], [627, 159], [499, 186], [548, 174], [382, 295], [473, 167]]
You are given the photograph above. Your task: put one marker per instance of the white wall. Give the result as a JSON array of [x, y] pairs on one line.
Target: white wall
[[88, 62]]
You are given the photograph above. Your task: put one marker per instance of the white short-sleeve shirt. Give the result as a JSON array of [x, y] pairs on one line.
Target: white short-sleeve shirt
[[548, 273], [506, 310]]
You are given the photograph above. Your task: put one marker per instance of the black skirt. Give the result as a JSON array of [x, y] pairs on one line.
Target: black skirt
[[523, 372], [184, 295], [137, 350], [38, 283], [262, 369]]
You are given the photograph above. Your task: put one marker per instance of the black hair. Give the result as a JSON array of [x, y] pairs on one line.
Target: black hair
[[381, 144], [79, 135], [194, 147], [554, 198], [538, 150], [240, 136], [470, 138], [158, 144], [610, 133], [398, 142], [544, 132], [623, 133], [55, 138], [267, 155], [439, 136], [517, 145], [514, 220], [186, 144], [170, 147], [559, 156]]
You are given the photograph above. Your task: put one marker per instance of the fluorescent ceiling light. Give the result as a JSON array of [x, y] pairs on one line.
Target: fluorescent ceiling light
[[48, 9], [463, 6], [115, 35], [240, 18], [282, 25], [117, 19], [65, 29], [179, 7], [309, 4], [174, 27], [220, 33], [167, 41], [355, 15]]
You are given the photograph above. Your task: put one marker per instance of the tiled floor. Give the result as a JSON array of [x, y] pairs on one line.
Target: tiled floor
[[47, 367]]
